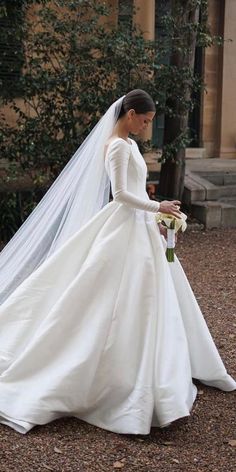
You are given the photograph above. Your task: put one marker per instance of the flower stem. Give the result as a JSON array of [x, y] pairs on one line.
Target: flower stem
[[170, 254]]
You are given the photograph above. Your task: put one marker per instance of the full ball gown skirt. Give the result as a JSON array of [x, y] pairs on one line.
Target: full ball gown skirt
[[106, 330]]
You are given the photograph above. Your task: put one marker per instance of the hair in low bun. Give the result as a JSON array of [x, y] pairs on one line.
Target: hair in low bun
[[138, 100]]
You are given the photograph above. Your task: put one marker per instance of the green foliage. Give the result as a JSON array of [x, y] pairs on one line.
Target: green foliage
[[11, 47], [185, 28], [170, 150], [8, 217], [76, 65], [14, 208]]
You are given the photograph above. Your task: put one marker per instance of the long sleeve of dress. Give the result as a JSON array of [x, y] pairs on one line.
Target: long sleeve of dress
[[118, 158]]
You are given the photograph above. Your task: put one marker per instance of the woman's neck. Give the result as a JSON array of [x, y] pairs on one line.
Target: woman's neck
[[121, 131]]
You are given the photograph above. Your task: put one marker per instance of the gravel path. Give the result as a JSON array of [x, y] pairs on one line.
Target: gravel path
[[204, 441]]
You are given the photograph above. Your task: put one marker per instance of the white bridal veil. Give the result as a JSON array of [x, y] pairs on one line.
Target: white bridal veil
[[77, 194]]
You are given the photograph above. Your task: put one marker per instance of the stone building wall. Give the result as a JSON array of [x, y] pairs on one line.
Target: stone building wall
[[218, 110]]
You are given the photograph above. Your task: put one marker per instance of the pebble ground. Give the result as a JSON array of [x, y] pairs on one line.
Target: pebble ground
[[205, 441]]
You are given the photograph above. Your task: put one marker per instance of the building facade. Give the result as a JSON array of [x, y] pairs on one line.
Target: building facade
[[214, 122]]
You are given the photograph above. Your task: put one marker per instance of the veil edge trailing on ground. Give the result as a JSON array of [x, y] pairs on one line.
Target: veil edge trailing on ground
[[78, 193]]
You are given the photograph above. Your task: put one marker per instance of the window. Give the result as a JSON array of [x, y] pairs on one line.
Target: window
[[162, 8], [125, 13], [11, 47]]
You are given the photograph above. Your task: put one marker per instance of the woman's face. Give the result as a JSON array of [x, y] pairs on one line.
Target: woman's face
[[138, 122]]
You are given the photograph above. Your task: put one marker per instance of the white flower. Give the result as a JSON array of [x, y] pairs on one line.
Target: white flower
[[168, 220]]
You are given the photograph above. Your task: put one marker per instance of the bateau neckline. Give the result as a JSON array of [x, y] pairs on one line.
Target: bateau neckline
[[130, 142], [118, 137]]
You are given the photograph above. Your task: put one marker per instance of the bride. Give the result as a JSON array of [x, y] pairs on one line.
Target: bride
[[94, 322]]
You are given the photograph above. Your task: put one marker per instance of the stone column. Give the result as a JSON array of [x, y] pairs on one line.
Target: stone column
[[144, 18], [228, 105], [211, 98]]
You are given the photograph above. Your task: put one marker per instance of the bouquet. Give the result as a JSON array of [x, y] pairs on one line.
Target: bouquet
[[173, 224]]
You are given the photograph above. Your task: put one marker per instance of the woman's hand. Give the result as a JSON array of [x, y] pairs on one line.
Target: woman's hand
[[163, 231], [171, 207]]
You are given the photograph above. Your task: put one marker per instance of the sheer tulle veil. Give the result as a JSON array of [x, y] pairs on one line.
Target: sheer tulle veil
[[78, 193]]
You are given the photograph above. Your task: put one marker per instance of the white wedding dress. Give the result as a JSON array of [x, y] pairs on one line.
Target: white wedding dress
[[106, 329]]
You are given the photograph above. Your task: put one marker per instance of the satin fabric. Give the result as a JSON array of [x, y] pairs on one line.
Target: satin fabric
[[106, 329]]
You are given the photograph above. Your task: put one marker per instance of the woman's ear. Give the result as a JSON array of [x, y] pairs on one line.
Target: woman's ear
[[131, 113]]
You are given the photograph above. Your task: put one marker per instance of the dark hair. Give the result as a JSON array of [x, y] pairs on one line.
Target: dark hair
[[138, 100]]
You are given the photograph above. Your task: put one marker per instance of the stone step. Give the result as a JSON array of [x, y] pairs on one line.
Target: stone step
[[213, 202], [220, 191], [219, 178], [215, 214], [197, 188], [195, 153], [229, 200]]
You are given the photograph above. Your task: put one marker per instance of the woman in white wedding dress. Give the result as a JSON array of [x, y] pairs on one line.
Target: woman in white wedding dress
[[105, 329]]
